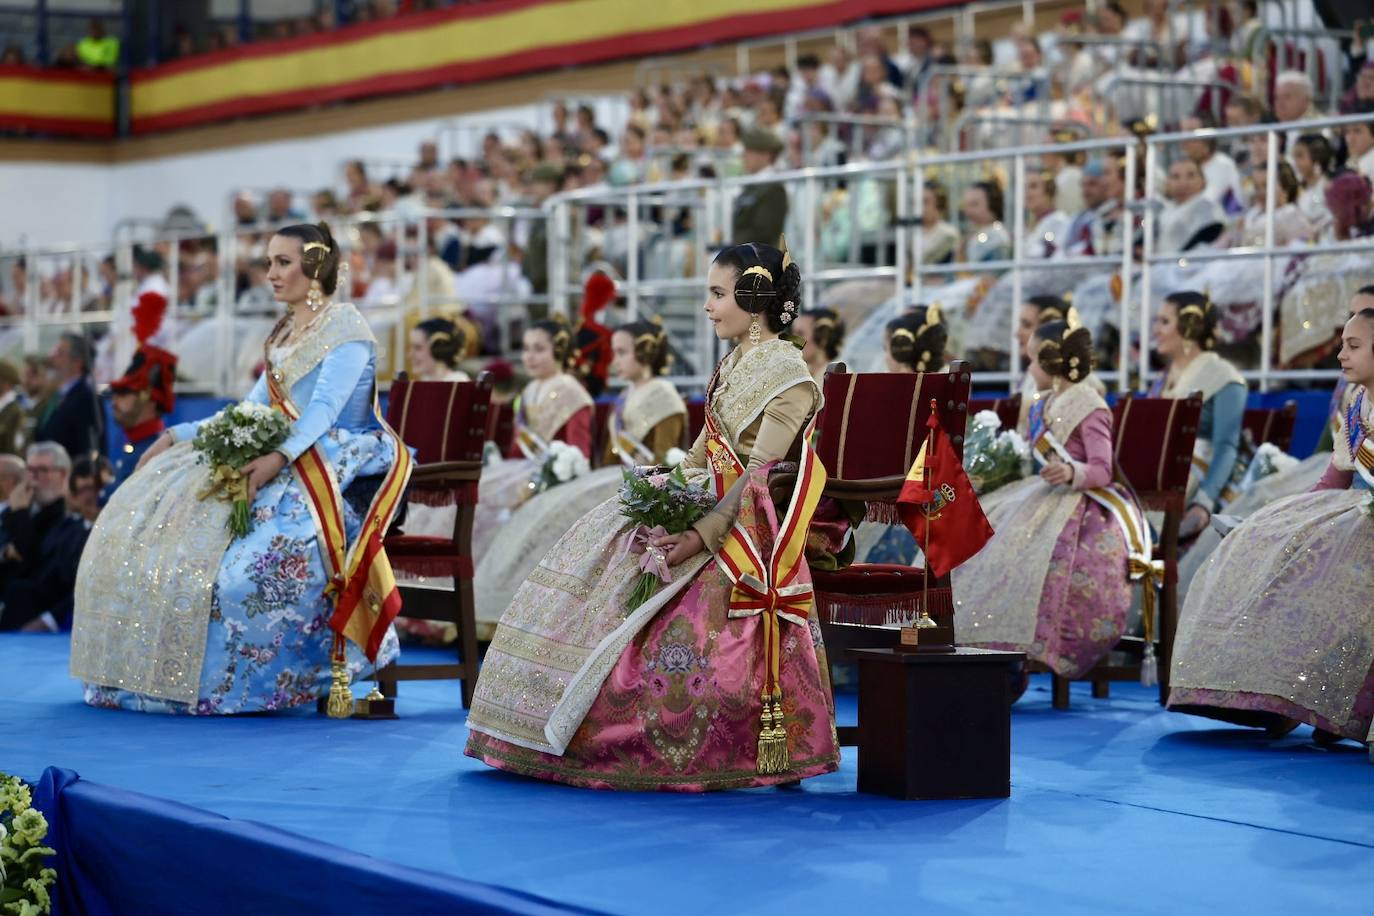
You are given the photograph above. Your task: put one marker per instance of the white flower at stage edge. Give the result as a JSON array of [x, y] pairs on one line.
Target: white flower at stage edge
[[1020, 446], [567, 461], [986, 418], [674, 457]]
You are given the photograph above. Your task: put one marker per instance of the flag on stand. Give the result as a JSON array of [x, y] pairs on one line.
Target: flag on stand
[[938, 506]]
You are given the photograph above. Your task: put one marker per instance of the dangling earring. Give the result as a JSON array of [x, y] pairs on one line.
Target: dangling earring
[[754, 332], [1187, 348], [315, 297]]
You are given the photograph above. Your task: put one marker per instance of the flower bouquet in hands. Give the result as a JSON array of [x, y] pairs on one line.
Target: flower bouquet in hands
[[231, 439], [562, 462], [659, 504], [993, 457]]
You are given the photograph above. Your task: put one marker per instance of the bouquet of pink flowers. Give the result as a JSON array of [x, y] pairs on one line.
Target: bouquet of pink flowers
[[660, 504]]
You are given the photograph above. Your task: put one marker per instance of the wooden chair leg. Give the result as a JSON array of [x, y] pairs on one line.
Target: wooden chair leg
[[1102, 689], [466, 618], [1060, 687]]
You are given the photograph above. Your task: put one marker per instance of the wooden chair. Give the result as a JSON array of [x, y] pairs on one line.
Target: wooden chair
[[446, 424], [501, 426], [1008, 410], [1153, 448], [1272, 424], [871, 431]]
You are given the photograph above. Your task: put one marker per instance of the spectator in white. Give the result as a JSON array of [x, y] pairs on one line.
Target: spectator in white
[[1190, 218], [1082, 233], [382, 290], [245, 209], [487, 286], [630, 164], [1293, 96], [986, 239], [808, 78], [1218, 169], [1242, 111], [939, 239], [1048, 226], [1359, 146], [45, 541], [768, 115], [840, 78], [871, 42], [1312, 165], [917, 57], [889, 140], [1067, 170], [256, 297], [1290, 225]]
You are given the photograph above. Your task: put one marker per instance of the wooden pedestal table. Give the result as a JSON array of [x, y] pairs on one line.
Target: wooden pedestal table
[[935, 724]]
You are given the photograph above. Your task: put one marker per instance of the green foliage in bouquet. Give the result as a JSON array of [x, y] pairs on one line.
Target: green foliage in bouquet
[[659, 504], [993, 458], [231, 439], [24, 881]]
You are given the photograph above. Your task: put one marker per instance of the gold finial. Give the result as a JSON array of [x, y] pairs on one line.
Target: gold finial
[[786, 254]]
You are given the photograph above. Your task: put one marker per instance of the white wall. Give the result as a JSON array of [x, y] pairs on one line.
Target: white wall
[[49, 204]]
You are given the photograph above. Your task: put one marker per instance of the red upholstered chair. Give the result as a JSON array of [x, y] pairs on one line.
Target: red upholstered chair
[[601, 414], [870, 433], [1153, 445], [446, 424], [1008, 410], [696, 419], [1272, 424], [501, 426]]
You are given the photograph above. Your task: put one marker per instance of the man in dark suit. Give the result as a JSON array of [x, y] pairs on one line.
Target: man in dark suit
[[74, 419], [45, 543], [760, 209]]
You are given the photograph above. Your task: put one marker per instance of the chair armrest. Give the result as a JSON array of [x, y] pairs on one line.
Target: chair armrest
[[877, 489], [447, 472]]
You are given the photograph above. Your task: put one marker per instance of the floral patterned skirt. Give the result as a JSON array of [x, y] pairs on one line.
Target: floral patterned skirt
[[1281, 619], [679, 709], [1085, 597], [268, 645]]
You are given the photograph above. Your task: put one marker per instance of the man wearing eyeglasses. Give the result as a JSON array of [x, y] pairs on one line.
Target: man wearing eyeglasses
[[37, 510]]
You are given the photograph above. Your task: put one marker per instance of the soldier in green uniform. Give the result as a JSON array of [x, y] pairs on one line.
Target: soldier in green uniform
[[760, 209]]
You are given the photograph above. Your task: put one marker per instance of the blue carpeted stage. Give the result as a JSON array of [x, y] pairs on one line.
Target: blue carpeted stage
[[1116, 806]]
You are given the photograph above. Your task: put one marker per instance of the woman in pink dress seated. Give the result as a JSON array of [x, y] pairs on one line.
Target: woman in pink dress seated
[[1055, 580], [719, 680], [1278, 627]]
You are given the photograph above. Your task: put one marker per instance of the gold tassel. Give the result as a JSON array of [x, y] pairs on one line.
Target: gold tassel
[[340, 697], [773, 757], [1149, 574]]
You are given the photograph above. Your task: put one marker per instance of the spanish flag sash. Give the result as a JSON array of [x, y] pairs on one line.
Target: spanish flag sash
[[631, 451], [361, 583], [775, 588], [530, 443]]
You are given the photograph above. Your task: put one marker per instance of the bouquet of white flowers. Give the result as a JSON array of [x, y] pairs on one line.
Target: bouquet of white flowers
[[562, 462], [228, 441], [993, 457], [24, 882]]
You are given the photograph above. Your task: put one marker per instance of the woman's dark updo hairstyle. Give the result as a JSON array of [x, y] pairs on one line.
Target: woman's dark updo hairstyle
[[650, 344], [827, 330], [317, 264], [446, 340], [917, 338], [1319, 151], [1064, 352], [993, 192], [1197, 317], [1049, 308], [772, 292], [559, 336]]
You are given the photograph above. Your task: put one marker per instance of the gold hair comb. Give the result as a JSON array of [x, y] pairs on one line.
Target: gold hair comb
[[760, 270]]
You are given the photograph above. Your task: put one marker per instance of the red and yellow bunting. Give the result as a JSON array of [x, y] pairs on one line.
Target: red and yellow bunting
[[66, 103], [461, 44]]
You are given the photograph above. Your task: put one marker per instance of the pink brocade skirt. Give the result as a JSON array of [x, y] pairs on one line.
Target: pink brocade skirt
[[1086, 598], [680, 709]]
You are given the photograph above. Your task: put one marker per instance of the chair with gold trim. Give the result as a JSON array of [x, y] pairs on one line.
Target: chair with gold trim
[[446, 424], [1153, 448], [870, 434]]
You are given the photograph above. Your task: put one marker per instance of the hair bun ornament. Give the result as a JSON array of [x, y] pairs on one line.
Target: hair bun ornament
[[1073, 319], [754, 289], [789, 311]]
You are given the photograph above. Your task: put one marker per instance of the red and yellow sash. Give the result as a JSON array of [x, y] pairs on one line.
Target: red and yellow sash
[[772, 588], [361, 583]]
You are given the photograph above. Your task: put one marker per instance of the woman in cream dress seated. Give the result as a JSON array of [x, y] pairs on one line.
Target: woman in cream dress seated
[[1184, 330], [173, 613], [1054, 581], [822, 332], [705, 685], [648, 419], [1034, 312], [1279, 627], [554, 405]]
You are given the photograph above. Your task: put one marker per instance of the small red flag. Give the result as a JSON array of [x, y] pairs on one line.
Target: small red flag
[[938, 506]]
